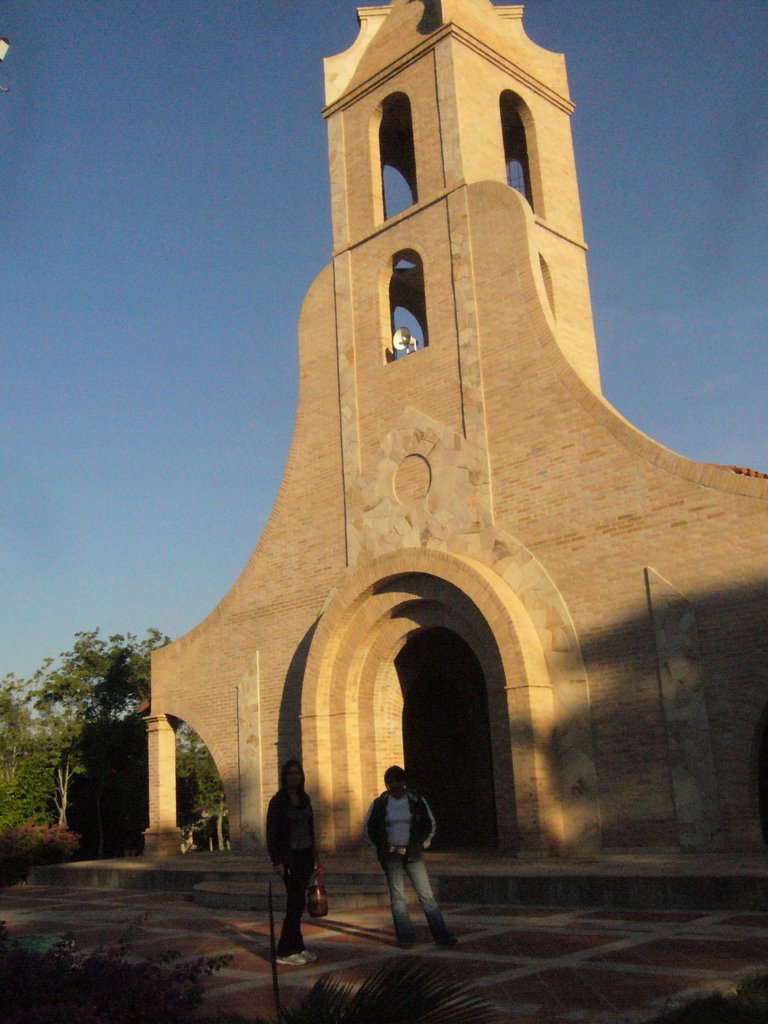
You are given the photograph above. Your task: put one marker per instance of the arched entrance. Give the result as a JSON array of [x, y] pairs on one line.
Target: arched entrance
[[446, 736], [352, 696], [538, 702]]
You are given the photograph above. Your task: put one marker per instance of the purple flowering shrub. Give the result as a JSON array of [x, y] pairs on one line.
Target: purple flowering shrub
[[62, 986], [25, 845]]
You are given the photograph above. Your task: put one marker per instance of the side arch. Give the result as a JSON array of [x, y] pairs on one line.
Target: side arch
[[162, 723]]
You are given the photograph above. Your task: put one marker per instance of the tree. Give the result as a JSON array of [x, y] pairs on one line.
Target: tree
[[25, 789], [90, 702], [59, 729]]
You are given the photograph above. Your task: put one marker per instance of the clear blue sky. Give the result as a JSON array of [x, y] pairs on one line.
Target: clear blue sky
[[163, 180]]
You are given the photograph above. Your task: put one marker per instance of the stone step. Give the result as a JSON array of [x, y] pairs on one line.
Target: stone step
[[254, 896], [630, 881]]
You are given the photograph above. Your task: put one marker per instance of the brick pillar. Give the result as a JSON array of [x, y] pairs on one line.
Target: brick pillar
[[162, 838]]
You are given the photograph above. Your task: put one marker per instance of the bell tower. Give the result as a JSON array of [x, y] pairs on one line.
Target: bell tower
[[438, 108]]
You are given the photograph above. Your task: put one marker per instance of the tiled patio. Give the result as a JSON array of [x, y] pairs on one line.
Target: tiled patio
[[534, 964]]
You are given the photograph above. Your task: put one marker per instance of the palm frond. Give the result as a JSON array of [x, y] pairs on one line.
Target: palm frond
[[327, 1002], [404, 991], [410, 991]]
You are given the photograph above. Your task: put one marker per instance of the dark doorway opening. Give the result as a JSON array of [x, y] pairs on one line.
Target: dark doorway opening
[[446, 736], [762, 776]]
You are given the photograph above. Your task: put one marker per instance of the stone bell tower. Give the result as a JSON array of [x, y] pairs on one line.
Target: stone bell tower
[[434, 99], [449, 94], [475, 566]]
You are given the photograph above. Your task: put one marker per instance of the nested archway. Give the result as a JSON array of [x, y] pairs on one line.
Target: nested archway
[[352, 697]]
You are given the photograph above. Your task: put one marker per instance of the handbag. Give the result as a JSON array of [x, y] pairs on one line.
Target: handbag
[[317, 897]]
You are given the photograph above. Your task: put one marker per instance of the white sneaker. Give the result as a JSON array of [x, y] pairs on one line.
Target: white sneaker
[[293, 960], [307, 957]]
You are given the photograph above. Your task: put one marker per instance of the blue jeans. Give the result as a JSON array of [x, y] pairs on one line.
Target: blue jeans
[[396, 868]]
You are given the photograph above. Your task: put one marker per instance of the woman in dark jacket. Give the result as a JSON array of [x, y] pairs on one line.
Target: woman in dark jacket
[[291, 845]]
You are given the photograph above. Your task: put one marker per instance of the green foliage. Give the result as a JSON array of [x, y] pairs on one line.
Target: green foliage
[[199, 785], [26, 796], [91, 736], [748, 1004], [98, 680], [25, 845], [25, 784], [405, 991], [110, 799]]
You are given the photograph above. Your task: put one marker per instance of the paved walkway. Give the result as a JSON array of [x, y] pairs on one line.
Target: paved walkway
[[542, 964]]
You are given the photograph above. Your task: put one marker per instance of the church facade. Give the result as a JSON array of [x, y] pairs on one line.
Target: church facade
[[475, 565]]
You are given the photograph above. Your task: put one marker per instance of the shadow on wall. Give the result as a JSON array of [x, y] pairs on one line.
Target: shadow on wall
[[289, 721], [646, 699], [432, 18]]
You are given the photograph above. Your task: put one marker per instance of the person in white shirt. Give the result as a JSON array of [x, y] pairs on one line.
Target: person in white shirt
[[399, 825]]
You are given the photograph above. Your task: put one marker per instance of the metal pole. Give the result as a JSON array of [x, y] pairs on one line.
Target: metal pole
[[273, 958]]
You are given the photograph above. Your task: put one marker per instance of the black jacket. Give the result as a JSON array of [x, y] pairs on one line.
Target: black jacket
[[279, 829], [422, 826]]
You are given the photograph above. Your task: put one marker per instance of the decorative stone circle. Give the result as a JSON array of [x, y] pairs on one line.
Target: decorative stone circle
[[413, 478]]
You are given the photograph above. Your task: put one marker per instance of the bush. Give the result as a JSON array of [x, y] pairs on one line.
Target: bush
[[747, 1004], [29, 844], [101, 988]]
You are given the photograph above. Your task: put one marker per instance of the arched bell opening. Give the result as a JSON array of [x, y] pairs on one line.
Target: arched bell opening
[[407, 301], [519, 152], [397, 154]]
